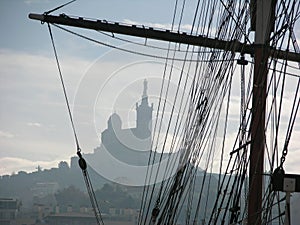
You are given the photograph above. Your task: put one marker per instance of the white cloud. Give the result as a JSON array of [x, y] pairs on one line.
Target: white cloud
[[36, 1], [11, 164], [34, 124], [32, 95], [165, 26], [35, 70], [5, 134]]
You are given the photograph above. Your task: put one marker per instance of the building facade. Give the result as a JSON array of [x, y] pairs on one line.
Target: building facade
[[8, 210]]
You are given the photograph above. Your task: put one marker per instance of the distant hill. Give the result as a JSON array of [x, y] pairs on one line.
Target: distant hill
[[26, 186]]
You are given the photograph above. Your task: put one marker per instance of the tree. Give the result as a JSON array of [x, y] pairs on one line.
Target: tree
[[71, 196], [63, 165], [115, 197]]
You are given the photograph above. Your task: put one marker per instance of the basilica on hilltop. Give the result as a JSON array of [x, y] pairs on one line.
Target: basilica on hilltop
[[128, 145]]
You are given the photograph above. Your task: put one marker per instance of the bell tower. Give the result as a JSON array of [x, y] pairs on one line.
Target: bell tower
[[144, 114]]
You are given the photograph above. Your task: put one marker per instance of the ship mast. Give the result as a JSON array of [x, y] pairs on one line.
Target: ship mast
[[262, 22]]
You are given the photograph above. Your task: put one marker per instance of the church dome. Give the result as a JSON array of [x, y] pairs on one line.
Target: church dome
[[114, 122]]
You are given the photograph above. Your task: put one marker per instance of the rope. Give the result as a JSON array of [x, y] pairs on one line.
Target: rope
[[124, 49], [59, 7], [82, 162], [64, 90]]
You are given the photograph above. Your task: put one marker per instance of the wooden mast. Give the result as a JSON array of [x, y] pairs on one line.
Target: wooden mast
[[262, 23]]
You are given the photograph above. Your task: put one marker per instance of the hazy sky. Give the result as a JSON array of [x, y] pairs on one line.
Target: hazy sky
[[35, 128]]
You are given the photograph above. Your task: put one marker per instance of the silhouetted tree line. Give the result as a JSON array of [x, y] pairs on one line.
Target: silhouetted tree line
[[109, 196]]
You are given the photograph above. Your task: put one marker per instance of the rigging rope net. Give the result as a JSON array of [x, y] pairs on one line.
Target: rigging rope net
[[202, 119]]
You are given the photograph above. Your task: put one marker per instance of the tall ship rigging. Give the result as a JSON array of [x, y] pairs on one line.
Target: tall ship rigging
[[256, 39]]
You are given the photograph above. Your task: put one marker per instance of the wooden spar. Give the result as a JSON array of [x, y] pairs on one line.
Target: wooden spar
[[163, 35]]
